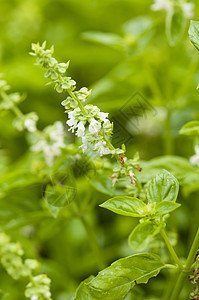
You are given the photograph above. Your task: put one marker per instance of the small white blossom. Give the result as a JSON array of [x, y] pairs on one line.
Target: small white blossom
[[103, 116], [162, 5], [168, 5], [131, 175], [47, 295], [84, 145], [72, 122], [30, 125], [94, 126], [188, 10], [51, 147], [34, 297], [80, 129], [194, 160], [101, 149]]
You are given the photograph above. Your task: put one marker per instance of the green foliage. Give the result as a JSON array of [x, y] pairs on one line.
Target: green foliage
[[126, 206], [142, 235], [191, 128], [140, 70], [163, 187], [194, 33], [11, 259], [117, 280]]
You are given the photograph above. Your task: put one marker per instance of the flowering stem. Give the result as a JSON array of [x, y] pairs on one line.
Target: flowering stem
[[79, 103]]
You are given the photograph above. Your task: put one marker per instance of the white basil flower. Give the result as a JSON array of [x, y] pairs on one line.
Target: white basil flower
[[103, 116], [72, 122], [51, 147], [57, 132], [101, 149], [188, 10], [194, 160], [34, 297], [84, 145], [47, 295], [162, 5], [94, 126], [80, 129], [30, 125]]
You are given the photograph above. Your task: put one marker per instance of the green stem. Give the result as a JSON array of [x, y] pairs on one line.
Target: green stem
[[17, 112], [171, 250], [188, 266], [79, 102], [91, 237], [168, 139]]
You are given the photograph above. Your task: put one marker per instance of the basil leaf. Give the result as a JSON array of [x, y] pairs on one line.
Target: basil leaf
[[82, 292], [194, 33], [164, 187], [126, 206], [165, 207], [141, 236], [190, 128], [117, 280]]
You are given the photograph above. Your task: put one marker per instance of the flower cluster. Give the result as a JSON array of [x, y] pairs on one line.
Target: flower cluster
[[11, 259], [8, 100], [169, 5], [39, 288], [126, 168], [52, 143], [86, 121], [29, 122], [98, 126]]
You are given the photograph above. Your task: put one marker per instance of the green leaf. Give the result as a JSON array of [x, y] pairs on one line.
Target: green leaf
[[117, 280], [59, 196], [164, 187], [194, 33], [175, 25], [104, 38], [82, 292], [126, 206], [141, 236], [190, 128], [54, 210], [103, 184], [165, 207]]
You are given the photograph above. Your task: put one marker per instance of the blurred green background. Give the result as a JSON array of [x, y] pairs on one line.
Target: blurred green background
[[118, 48]]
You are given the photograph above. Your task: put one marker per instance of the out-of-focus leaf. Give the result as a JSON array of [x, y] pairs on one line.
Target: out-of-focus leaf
[[164, 187], [138, 26], [103, 184], [126, 206], [118, 279], [60, 195], [108, 39], [17, 179], [175, 25], [194, 33], [191, 128]]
